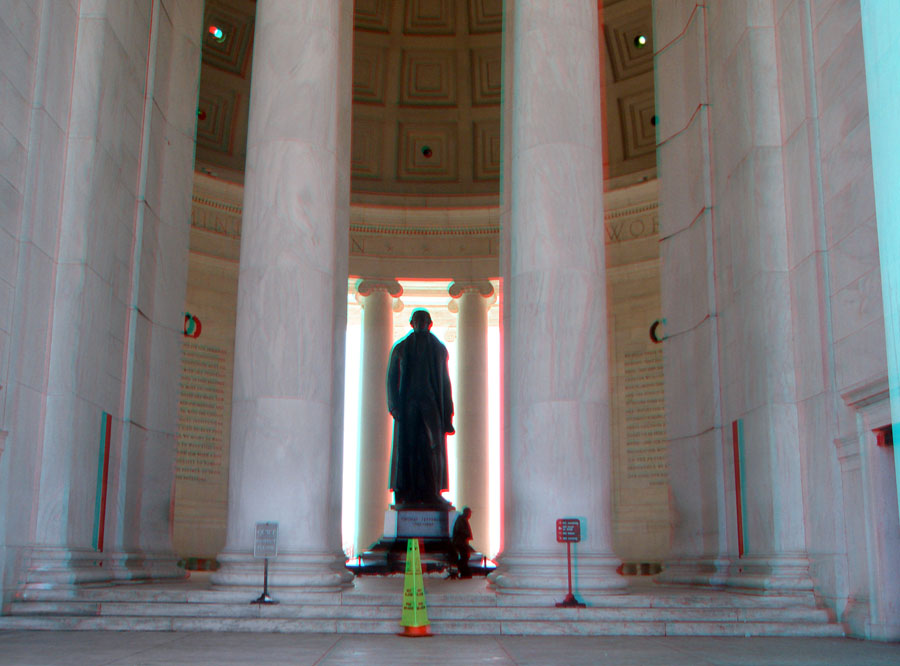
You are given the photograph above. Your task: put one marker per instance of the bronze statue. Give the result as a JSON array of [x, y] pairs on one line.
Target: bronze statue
[[420, 400]]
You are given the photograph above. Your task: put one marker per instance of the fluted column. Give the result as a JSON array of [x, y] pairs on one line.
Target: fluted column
[[557, 438], [472, 300], [286, 434], [375, 424]]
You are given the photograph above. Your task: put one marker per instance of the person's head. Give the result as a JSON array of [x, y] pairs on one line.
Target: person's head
[[466, 512], [420, 320]]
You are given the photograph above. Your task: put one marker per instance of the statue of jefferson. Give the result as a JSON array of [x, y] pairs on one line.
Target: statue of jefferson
[[420, 400]]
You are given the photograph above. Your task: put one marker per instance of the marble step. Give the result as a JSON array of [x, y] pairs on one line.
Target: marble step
[[140, 594], [458, 613], [370, 626]]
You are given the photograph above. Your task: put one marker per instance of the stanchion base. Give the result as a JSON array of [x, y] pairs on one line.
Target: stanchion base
[[264, 599], [416, 632], [570, 602]]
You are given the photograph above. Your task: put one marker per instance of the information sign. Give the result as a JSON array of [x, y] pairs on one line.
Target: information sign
[[568, 530], [266, 544]]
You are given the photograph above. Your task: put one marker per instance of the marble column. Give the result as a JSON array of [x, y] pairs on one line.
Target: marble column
[[756, 259], [140, 530], [377, 299], [472, 300], [98, 324], [689, 298], [557, 433], [286, 433]]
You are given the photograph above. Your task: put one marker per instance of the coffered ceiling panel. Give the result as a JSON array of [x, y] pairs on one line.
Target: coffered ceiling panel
[[487, 76], [215, 118], [487, 150], [369, 74], [638, 124], [627, 54], [232, 53], [367, 148], [428, 74], [429, 17], [428, 78], [485, 16], [372, 15], [630, 114], [427, 152]]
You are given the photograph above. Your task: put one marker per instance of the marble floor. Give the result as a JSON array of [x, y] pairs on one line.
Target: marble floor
[[131, 647]]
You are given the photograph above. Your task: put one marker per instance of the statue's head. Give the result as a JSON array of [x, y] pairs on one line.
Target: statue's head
[[420, 321]]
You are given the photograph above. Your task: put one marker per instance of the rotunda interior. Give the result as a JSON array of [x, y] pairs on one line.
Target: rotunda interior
[[425, 192]]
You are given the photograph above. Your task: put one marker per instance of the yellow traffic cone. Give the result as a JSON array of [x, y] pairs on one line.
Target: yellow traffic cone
[[415, 616]]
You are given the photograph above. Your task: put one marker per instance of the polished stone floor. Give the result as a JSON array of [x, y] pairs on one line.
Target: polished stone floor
[[130, 647]]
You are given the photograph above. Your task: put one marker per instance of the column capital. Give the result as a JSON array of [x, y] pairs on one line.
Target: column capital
[[459, 287], [366, 286]]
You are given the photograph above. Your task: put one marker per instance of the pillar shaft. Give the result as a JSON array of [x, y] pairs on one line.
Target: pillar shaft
[[286, 434], [557, 449], [374, 419], [472, 460], [97, 326]]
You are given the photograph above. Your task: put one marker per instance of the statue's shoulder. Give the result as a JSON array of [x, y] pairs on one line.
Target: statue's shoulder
[[440, 346]]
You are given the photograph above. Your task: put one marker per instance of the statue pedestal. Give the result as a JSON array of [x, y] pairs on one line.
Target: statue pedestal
[[418, 523], [431, 525]]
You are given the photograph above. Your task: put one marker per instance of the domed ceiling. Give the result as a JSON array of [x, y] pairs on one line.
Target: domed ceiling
[[426, 97]]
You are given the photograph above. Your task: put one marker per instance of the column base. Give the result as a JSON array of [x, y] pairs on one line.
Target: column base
[[711, 572], [776, 574], [779, 574], [49, 567], [546, 574], [315, 571], [144, 566]]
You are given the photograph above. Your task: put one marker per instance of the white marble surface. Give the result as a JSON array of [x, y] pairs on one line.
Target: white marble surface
[[689, 285], [474, 299], [690, 360], [286, 436], [839, 61], [848, 191], [557, 447], [82, 179], [670, 18], [696, 501], [60, 647], [803, 208], [680, 71], [376, 424], [794, 67], [686, 192], [808, 299]]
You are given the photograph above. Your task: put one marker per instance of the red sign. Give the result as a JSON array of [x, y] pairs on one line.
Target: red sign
[[568, 530]]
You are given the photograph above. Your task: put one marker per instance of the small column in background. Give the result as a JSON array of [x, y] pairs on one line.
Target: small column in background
[[377, 298], [472, 300]]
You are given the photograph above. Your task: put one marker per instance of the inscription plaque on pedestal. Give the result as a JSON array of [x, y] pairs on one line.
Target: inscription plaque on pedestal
[[422, 524]]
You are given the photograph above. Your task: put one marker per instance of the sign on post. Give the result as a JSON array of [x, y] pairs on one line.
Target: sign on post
[[568, 531], [266, 544]]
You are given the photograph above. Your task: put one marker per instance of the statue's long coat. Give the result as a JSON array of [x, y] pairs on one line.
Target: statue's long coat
[[418, 381]]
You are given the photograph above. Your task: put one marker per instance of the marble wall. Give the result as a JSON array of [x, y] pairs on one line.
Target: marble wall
[[637, 405], [771, 290], [31, 136], [100, 107], [856, 368], [688, 295], [204, 425]]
